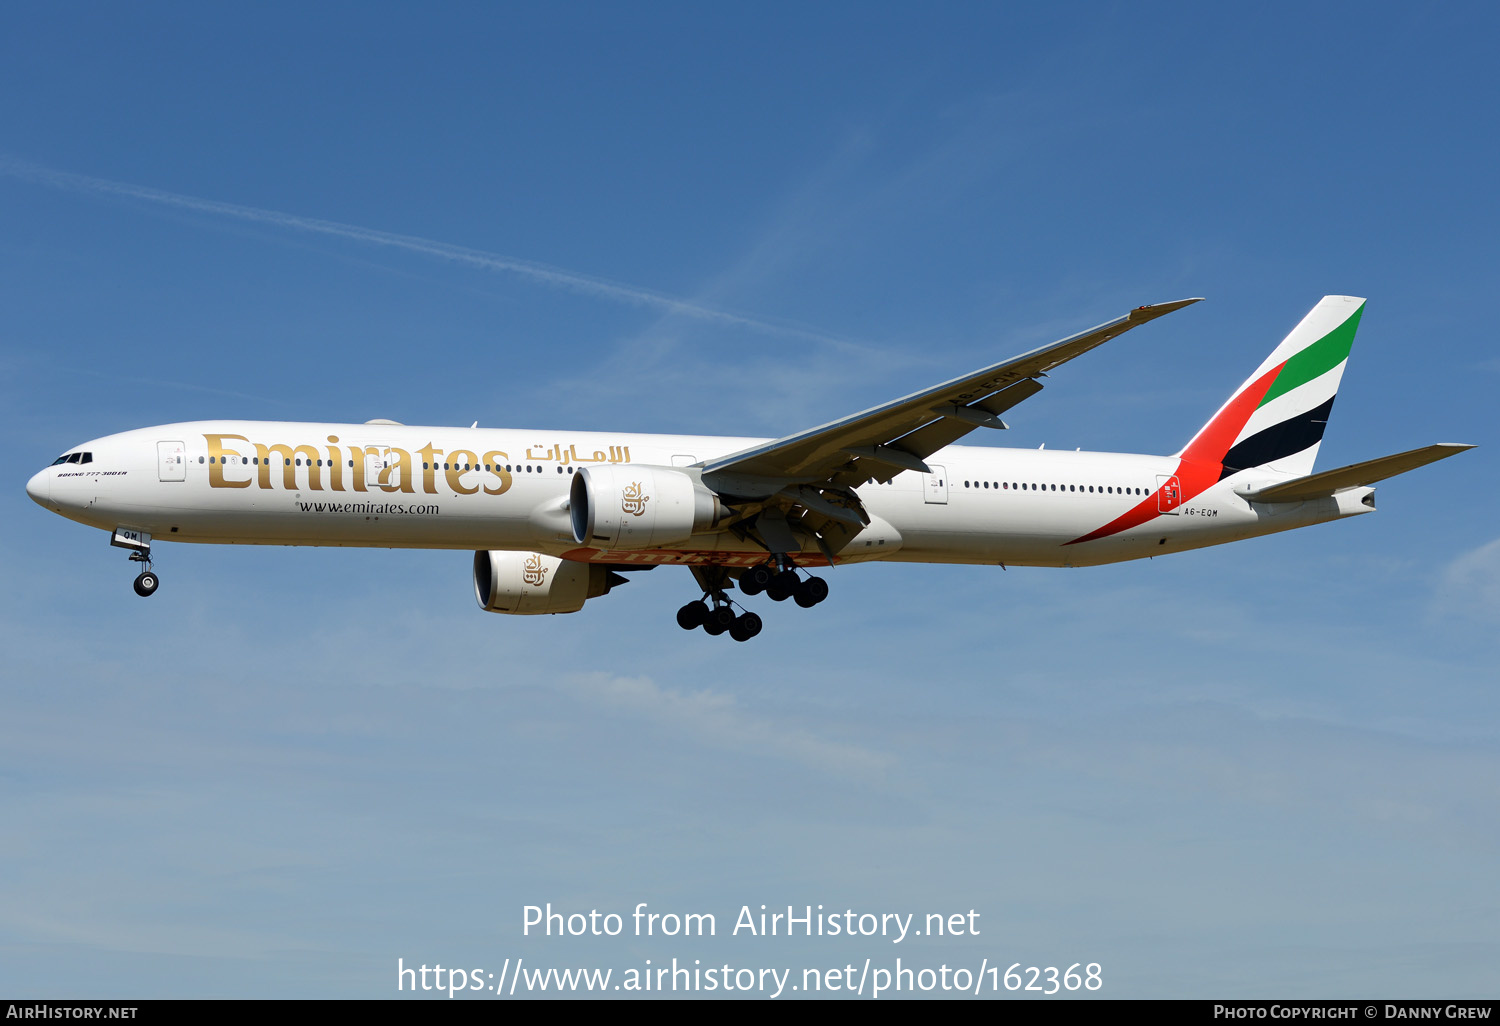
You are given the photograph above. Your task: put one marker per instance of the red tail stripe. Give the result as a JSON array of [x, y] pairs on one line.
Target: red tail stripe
[[1210, 444], [1201, 461]]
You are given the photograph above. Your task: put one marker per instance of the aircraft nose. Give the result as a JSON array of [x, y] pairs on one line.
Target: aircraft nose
[[40, 487]]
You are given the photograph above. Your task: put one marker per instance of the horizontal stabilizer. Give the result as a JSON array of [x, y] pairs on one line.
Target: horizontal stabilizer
[[1317, 486]]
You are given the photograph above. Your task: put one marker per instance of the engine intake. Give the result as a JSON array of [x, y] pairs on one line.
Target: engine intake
[[531, 582], [639, 507]]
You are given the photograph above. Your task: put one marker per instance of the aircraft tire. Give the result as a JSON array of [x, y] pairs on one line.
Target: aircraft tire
[[745, 627], [782, 586], [145, 584], [754, 580], [692, 616], [811, 591]]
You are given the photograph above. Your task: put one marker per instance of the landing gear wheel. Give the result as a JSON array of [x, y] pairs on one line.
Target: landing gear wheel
[[755, 580], [692, 616], [783, 585], [811, 591], [145, 583], [745, 627], [714, 629], [721, 617]]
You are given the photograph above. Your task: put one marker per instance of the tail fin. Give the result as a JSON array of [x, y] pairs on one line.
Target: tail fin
[[1276, 418]]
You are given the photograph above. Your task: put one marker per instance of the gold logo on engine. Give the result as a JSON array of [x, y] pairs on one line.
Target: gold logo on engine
[[533, 572], [634, 502]]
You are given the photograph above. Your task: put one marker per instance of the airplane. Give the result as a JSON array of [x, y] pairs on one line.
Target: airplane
[[556, 518]]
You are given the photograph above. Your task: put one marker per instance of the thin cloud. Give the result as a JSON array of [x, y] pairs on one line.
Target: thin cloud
[[558, 277], [721, 721], [186, 386], [1471, 585]]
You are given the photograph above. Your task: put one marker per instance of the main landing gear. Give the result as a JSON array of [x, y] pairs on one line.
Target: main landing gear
[[718, 619], [782, 584], [715, 611]]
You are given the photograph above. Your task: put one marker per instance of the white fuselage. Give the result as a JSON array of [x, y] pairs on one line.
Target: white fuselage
[[278, 483]]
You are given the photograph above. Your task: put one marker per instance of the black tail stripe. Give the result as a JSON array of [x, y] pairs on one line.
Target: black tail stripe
[[1278, 441]]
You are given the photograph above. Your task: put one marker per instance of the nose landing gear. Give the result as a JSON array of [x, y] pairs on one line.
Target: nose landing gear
[[145, 581], [139, 544]]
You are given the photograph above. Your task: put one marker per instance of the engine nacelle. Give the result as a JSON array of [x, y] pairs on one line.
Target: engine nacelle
[[639, 507], [530, 582]]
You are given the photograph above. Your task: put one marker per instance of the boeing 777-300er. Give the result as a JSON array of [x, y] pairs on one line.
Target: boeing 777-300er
[[557, 517]]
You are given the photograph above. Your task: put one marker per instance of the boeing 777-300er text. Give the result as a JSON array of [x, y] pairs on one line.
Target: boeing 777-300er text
[[557, 517]]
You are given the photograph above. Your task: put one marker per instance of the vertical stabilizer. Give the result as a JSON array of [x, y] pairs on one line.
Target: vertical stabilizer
[[1276, 418]]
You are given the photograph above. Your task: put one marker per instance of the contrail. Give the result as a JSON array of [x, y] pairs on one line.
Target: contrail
[[556, 276]]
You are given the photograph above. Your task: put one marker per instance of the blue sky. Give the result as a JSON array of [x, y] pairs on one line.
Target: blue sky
[[1267, 769]]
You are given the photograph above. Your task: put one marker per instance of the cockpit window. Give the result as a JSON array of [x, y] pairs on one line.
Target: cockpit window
[[61, 459], [74, 457]]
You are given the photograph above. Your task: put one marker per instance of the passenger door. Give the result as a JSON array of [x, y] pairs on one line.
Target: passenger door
[[377, 462], [171, 461], [935, 486], [1168, 493]]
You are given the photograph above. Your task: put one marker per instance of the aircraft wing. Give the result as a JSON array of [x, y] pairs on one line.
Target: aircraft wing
[[881, 442]]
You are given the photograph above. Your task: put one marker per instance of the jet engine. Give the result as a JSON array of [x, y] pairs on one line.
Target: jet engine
[[621, 507], [530, 582]]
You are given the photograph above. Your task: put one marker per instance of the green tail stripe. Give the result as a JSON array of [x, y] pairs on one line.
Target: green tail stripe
[[1319, 358]]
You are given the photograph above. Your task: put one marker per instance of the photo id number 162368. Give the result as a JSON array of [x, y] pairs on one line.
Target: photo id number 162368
[[1049, 979]]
